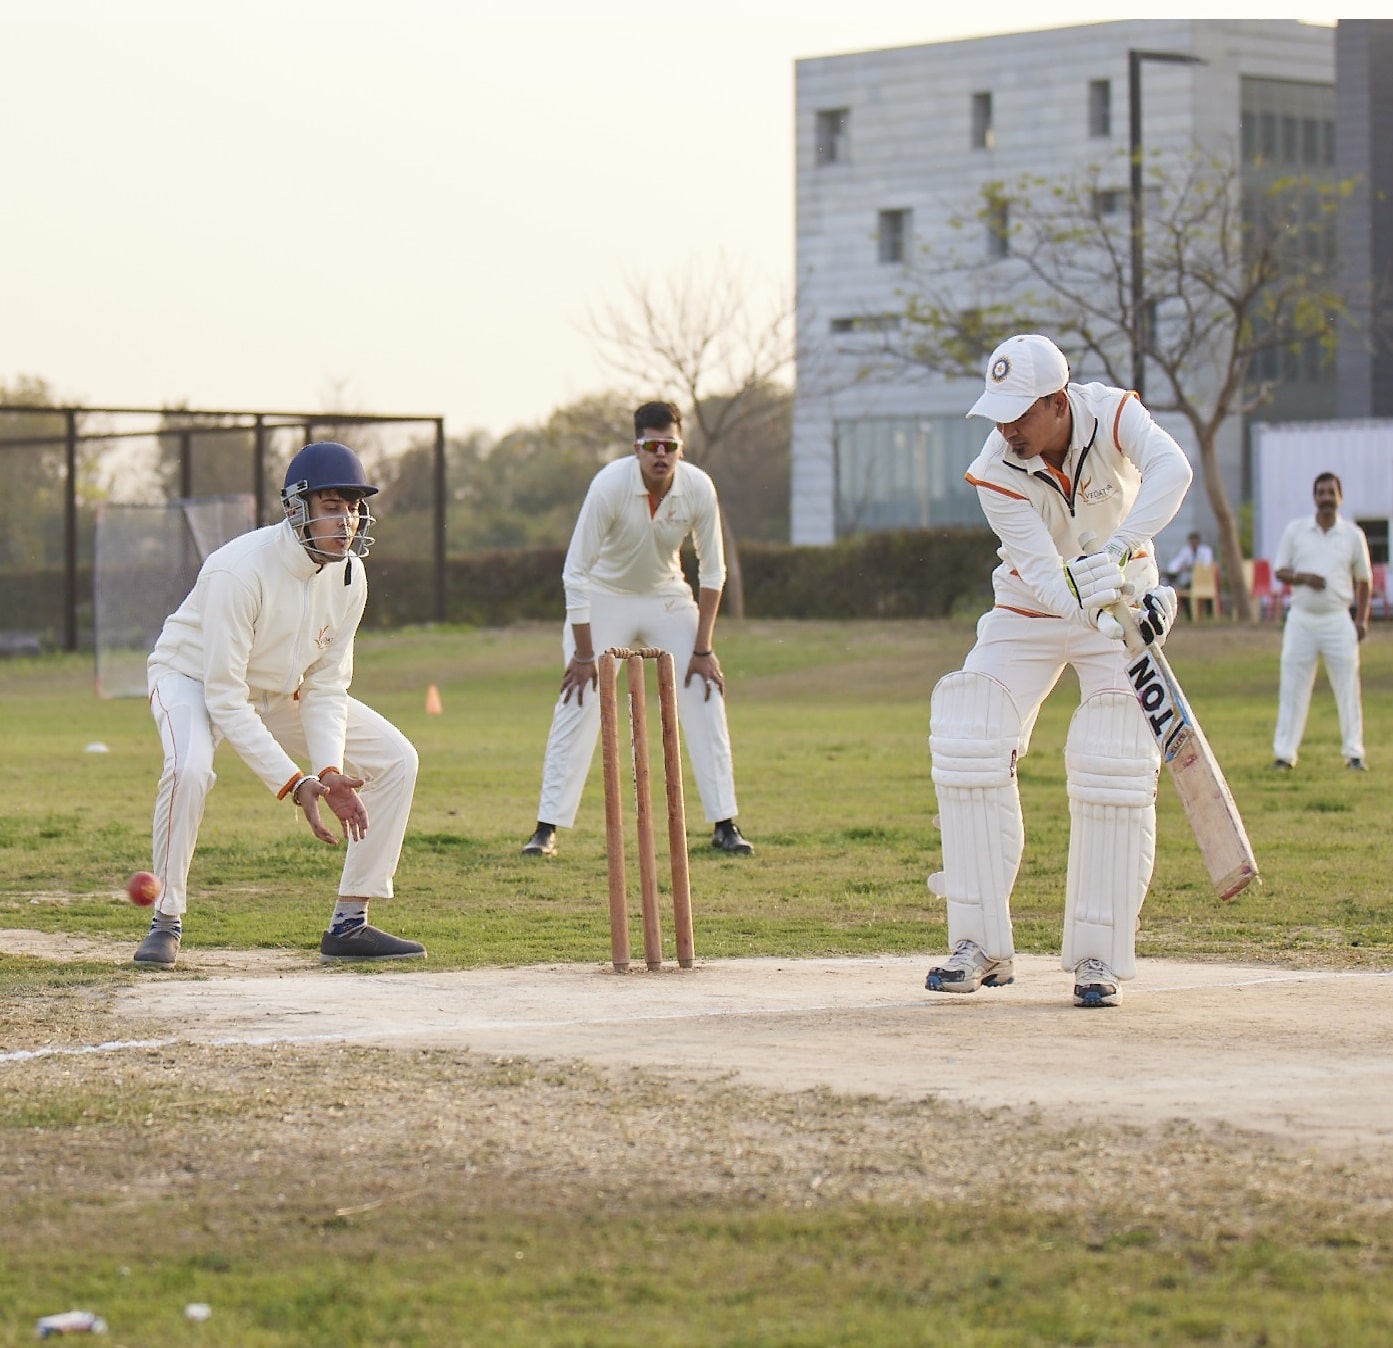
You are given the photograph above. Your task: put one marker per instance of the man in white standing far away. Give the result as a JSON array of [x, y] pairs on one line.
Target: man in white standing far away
[[1325, 559]]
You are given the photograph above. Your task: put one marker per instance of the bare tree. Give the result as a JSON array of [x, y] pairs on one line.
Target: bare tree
[[697, 338], [1233, 271]]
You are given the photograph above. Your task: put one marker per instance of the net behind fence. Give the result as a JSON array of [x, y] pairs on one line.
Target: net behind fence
[[145, 561]]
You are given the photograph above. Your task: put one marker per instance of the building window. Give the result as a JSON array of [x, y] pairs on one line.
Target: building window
[[983, 136], [832, 127], [1107, 202], [998, 228], [904, 473], [893, 237], [1100, 107], [843, 327], [1376, 534]]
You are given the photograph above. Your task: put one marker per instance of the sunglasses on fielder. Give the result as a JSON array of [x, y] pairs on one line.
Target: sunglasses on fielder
[[653, 446]]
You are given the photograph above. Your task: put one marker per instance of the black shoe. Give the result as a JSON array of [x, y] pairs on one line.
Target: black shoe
[[159, 949], [367, 943], [542, 843], [726, 838], [1356, 765], [1280, 765]]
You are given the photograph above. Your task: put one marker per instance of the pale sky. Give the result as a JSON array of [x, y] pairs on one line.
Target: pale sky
[[394, 205]]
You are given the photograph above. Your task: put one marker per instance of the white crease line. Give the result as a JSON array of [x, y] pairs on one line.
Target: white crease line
[[113, 1046]]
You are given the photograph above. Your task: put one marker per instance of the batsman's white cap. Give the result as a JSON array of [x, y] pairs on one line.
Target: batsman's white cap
[[1022, 369]]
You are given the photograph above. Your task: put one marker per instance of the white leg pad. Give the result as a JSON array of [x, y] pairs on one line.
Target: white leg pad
[[1112, 762], [974, 735]]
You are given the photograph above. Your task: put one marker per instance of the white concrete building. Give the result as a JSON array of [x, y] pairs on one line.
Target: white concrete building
[[891, 144]]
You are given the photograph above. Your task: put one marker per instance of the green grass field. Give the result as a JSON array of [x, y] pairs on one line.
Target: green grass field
[[354, 1196]]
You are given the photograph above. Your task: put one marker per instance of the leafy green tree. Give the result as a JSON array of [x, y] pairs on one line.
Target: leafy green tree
[[32, 477]]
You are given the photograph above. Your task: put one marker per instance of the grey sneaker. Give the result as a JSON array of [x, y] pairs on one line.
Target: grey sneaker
[[1095, 984], [542, 843], [968, 968], [367, 943], [159, 949], [1356, 765], [727, 838]]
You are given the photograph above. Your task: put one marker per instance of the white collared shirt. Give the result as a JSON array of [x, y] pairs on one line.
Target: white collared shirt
[[621, 545], [1340, 554]]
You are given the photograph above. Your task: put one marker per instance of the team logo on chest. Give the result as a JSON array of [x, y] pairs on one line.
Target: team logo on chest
[[324, 638], [1091, 493]]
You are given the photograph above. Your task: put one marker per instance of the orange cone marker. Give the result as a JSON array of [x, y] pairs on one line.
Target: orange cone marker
[[433, 707]]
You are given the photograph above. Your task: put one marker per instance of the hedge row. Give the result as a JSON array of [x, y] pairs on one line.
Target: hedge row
[[910, 574], [918, 574]]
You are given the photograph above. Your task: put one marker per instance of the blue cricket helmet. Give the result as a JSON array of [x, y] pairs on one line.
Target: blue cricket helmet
[[322, 466]]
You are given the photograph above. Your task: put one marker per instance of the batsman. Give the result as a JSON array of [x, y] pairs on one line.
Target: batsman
[[1064, 462]]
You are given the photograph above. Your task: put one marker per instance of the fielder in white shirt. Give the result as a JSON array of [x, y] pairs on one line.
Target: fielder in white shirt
[[1325, 560], [625, 588], [1066, 462], [260, 654]]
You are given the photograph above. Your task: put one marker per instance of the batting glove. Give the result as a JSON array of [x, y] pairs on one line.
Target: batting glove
[[1096, 581], [1158, 608]]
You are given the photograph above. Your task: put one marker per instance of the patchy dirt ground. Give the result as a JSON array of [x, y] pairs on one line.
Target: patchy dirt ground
[[1215, 1099], [1294, 1059]]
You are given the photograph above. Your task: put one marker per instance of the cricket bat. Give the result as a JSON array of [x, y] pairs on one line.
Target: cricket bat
[[1199, 781]]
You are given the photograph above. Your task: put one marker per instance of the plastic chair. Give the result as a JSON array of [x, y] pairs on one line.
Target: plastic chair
[[1378, 590], [1261, 589], [1203, 588]]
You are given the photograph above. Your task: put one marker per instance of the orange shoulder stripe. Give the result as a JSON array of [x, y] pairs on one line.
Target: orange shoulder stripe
[[991, 486], [1117, 420]]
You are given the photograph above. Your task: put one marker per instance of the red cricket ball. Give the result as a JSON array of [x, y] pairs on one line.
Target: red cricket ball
[[143, 888]]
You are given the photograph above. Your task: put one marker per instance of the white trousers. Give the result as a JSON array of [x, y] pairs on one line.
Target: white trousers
[[1306, 638], [669, 623], [1028, 655], [374, 750]]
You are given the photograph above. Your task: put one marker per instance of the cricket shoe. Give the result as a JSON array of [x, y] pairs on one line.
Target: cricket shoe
[[542, 843], [1095, 984], [727, 838], [159, 949], [968, 968], [366, 943]]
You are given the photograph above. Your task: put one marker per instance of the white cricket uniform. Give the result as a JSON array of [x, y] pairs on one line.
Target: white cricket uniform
[[1319, 625], [260, 654], [623, 576], [1123, 479]]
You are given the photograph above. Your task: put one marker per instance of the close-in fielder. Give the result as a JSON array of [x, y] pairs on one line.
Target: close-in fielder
[[260, 654], [625, 588], [1325, 559], [1065, 462]]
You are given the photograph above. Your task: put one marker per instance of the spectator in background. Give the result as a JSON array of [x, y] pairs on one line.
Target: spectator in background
[[1325, 560], [1182, 565]]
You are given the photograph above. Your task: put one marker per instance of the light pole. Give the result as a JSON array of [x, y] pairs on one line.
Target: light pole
[[1137, 204]]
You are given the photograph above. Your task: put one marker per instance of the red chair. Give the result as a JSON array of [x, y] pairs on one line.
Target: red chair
[[1378, 590], [1262, 590]]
